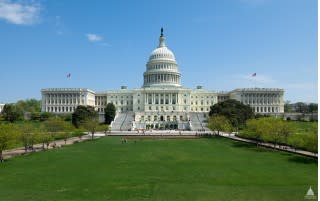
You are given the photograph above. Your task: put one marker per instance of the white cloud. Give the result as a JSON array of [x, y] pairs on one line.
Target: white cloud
[[94, 37], [20, 13]]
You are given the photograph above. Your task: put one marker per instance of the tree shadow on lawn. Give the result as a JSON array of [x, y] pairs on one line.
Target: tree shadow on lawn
[[302, 159], [250, 146]]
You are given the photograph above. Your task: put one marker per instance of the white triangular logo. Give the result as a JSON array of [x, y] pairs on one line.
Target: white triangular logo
[[310, 194]]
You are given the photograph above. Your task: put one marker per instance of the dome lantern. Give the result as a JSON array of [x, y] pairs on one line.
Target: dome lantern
[[162, 39]]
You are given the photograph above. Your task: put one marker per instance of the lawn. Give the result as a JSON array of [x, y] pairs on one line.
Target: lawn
[[175, 169], [303, 127]]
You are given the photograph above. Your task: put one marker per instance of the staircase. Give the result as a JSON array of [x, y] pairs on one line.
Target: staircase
[[117, 122], [122, 122], [198, 121], [127, 123]]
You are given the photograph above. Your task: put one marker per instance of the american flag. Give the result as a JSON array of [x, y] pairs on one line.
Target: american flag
[[254, 74], [69, 75]]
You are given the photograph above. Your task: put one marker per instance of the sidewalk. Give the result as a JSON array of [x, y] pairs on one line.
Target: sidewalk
[[38, 147], [269, 145]]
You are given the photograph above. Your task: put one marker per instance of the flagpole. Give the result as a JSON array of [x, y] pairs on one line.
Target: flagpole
[[254, 75]]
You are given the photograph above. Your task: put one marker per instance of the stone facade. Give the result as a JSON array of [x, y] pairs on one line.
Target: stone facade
[[162, 102]]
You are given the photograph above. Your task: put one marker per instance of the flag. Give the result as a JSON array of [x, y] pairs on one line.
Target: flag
[[254, 74], [69, 75]]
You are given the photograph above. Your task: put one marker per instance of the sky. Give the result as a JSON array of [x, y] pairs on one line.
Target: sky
[[105, 44]]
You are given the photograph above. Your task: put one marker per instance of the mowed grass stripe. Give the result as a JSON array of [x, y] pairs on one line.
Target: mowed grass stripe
[[166, 169]]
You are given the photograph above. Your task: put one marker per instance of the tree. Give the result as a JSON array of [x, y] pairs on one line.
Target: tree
[[66, 133], [29, 105], [91, 125], [81, 114], [268, 129], [310, 142], [45, 138], [79, 132], [219, 123], [285, 130], [110, 113], [254, 129], [287, 107], [8, 136], [11, 113], [313, 107], [236, 112], [55, 125], [104, 128], [301, 107], [44, 116], [26, 135]]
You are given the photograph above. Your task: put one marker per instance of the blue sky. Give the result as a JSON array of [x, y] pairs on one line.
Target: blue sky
[[105, 44]]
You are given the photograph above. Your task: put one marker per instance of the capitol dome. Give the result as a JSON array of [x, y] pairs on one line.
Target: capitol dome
[[162, 53], [162, 68]]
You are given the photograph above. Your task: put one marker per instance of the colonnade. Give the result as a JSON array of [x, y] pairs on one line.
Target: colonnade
[[161, 78], [161, 98], [260, 99]]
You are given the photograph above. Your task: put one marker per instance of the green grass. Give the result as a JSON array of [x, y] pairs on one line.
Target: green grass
[[303, 127], [199, 169]]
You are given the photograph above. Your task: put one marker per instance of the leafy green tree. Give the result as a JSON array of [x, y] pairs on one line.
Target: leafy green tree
[[268, 129], [104, 128], [8, 137], [313, 107], [79, 132], [301, 107], [27, 135], [296, 141], [285, 130], [81, 114], [11, 113], [310, 142], [66, 133], [44, 116], [254, 129], [91, 125], [45, 138], [55, 125], [236, 112], [29, 105], [287, 107], [110, 113], [35, 116], [219, 123]]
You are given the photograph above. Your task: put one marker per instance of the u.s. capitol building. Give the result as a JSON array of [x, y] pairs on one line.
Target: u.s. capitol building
[[161, 103]]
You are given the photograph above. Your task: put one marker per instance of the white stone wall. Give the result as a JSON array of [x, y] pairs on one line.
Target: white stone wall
[[262, 100], [65, 100], [201, 100]]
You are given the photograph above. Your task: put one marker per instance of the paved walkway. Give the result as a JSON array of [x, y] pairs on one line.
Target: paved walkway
[[38, 147], [270, 145], [172, 133]]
